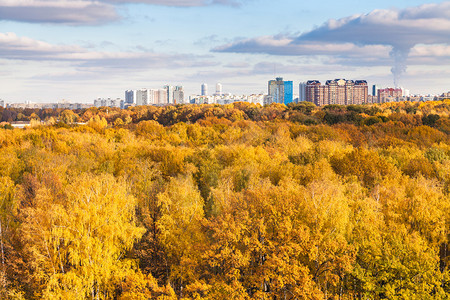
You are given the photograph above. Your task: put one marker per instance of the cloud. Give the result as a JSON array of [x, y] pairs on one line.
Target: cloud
[[283, 45], [70, 12], [181, 3], [237, 65], [85, 12], [401, 29], [368, 35], [24, 48]]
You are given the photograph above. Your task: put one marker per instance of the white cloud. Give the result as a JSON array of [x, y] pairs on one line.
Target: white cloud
[[70, 12], [84, 12], [358, 39], [181, 3], [426, 24], [24, 48], [282, 45]]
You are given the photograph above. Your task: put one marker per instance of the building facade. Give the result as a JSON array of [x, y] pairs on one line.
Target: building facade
[[337, 91], [302, 92], [130, 97], [204, 89], [99, 102], [169, 92], [280, 91], [219, 91], [178, 95], [389, 95]]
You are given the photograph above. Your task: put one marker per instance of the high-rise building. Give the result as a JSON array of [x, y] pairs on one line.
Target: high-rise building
[[2, 103], [375, 89], [280, 91], [130, 97], [218, 89], [288, 92], [162, 96], [169, 90], [338, 91], [276, 90], [142, 97], [178, 95], [153, 97], [302, 92], [405, 92], [204, 89]]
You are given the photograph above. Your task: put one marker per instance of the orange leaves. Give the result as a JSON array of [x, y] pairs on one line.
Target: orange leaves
[[232, 208]]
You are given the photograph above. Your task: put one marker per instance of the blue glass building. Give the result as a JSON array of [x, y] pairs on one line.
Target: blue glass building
[[281, 91], [288, 92]]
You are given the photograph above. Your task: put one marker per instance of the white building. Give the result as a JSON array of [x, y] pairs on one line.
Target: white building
[[228, 98], [142, 97], [219, 89], [204, 89], [405, 92], [162, 96], [99, 102], [178, 95], [2, 103], [169, 92], [153, 96]]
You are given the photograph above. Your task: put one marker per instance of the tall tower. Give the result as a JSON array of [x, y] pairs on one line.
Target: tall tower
[[276, 90], [169, 90], [281, 91], [288, 92], [302, 92], [204, 89], [178, 95], [130, 96], [218, 89], [375, 89]]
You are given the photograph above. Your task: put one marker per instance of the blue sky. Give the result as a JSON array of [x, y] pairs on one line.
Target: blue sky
[[79, 50]]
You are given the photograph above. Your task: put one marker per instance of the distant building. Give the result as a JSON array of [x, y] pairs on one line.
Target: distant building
[[375, 89], [281, 91], [162, 96], [204, 89], [268, 99], [218, 89], [405, 92], [444, 96], [338, 91], [2, 103], [302, 92], [153, 97], [63, 104], [288, 92], [372, 99], [130, 97], [99, 102], [228, 98], [389, 95], [178, 95], [142, 97], [169, 92]]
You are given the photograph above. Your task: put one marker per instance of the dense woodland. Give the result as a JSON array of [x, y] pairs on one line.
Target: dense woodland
[[227, 202]]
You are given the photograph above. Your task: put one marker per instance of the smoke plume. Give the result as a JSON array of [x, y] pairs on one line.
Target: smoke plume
[[400, 55]]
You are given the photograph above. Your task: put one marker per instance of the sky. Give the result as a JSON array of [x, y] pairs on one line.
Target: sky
[[80, 50]]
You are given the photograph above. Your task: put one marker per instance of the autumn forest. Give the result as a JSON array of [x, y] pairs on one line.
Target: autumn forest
[[226, 202]]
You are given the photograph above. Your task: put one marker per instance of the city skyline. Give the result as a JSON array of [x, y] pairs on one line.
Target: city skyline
[[80, 50]]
